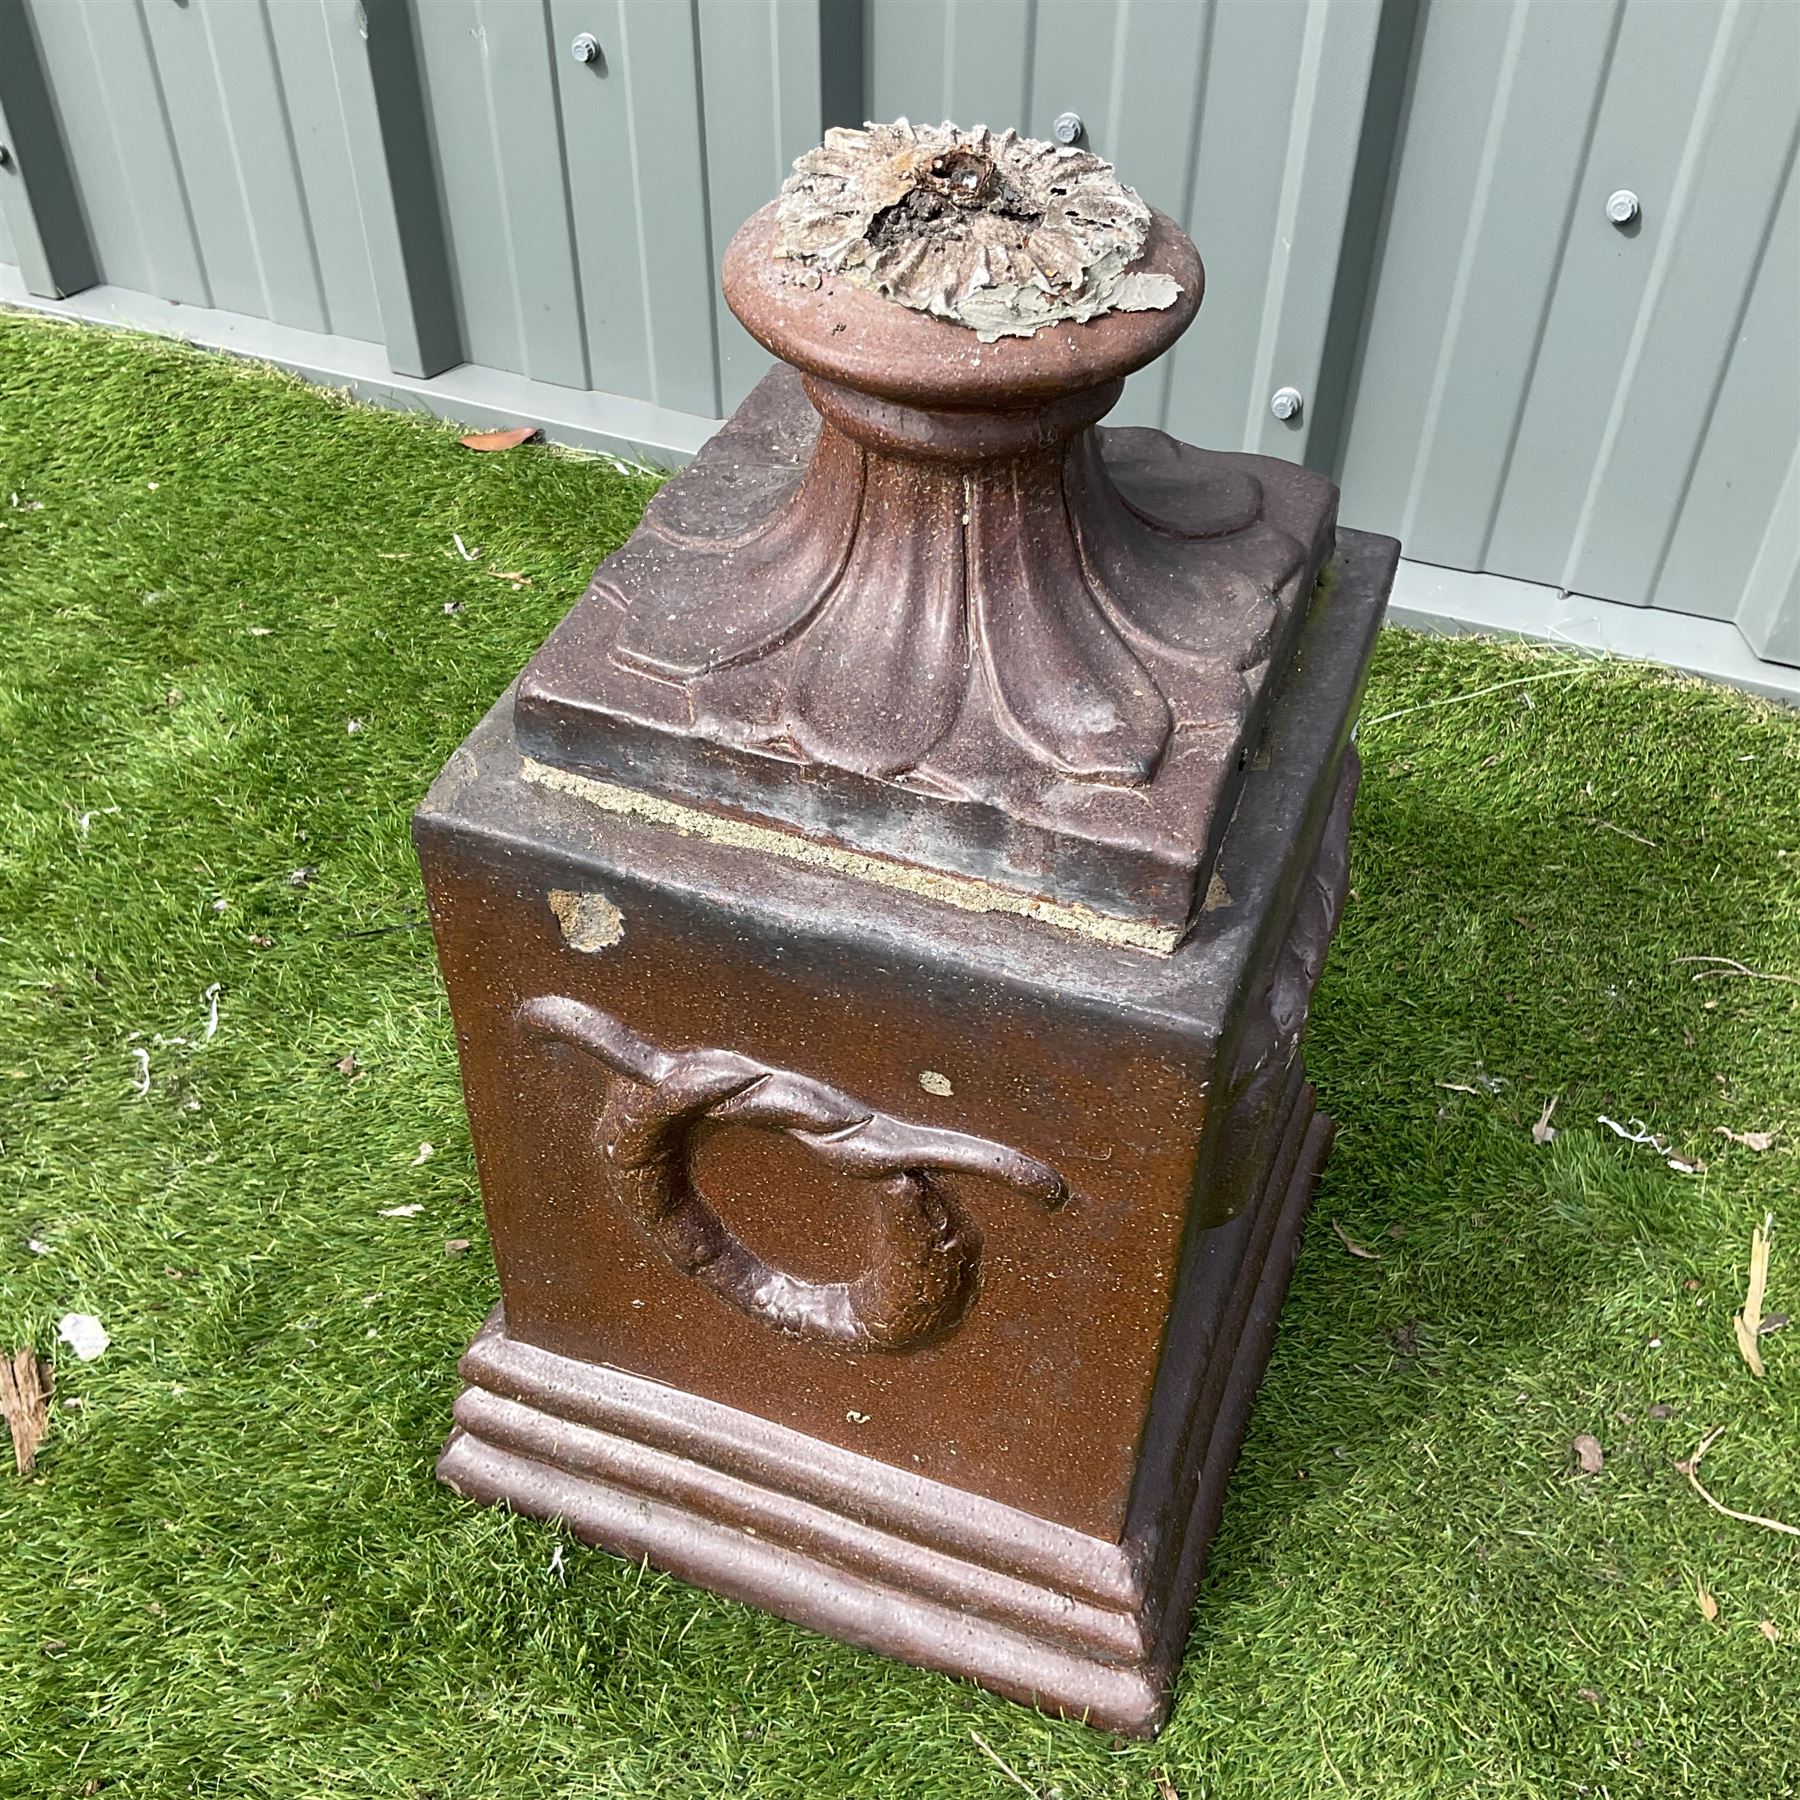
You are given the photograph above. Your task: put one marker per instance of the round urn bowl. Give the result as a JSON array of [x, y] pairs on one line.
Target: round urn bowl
[[947, 470], [929, 572], [907, 383]]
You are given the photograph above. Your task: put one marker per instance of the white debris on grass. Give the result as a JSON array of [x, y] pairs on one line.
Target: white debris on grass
[[1635, 1131], [84, 1334]]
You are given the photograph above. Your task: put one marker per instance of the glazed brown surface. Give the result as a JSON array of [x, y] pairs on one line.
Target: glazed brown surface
[[911, 602], [901, 1266]]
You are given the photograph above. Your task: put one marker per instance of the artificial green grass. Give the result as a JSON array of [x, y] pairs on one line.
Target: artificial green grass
[[233, 1574]]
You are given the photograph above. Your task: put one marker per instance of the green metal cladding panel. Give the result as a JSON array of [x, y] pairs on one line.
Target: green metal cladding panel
[[1401, 205], [1246, 120], [211, 154], [1542, 393]]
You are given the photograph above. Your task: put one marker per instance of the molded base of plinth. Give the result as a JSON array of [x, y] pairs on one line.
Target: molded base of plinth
[[873, 1555]]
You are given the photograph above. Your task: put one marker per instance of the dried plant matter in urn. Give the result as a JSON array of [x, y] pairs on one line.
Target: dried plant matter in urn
[[1001, 233]]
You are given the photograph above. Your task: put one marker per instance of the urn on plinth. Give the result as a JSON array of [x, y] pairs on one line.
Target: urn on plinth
[[879, 924]]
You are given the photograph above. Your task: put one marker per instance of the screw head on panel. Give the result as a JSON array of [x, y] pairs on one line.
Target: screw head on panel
[[585, 48], [1068, 128], [1285, 403], [1622, 206]]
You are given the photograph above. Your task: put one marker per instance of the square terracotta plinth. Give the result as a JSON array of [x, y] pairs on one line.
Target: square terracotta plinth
[[902, 1268]]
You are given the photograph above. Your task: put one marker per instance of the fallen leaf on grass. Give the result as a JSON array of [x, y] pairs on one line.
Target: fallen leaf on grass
[[1353, 1246], [1751, 1140], [84, 1334], [1166, 1789], [1767, 1628], [1748, 1323], [499, 440], [426, 1153], [1543, 1132], [1589, 1457], [455, 1246], [410, 1210], [1708, 1605], [25, 1404], [346, 1066], [1661, 1410]]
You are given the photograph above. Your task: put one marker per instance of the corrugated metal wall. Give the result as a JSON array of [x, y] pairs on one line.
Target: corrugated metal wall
[[1610, 411], [1401, 204]]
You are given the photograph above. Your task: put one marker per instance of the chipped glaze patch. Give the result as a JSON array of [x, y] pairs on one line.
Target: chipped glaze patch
[[590, 922], [960, 891]]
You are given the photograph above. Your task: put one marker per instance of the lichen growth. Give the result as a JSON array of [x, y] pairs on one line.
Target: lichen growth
[[1001, 233]]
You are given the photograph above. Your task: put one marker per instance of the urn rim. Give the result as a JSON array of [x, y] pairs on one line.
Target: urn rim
[[856, 337]]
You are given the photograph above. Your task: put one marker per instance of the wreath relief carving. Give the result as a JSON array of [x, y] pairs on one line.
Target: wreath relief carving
[[924, 1267]]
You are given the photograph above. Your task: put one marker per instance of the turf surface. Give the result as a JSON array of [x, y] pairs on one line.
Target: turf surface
[[238, 641]]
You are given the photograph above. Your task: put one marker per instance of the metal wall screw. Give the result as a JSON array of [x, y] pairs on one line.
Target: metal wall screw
[[1622, 206], [1285, 403], [1068, 128], [585, 48]]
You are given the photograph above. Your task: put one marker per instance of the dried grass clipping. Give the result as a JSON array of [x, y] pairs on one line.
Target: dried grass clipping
[[25, 1403], [1691, 1469], [1001, 233], [1748, 1323]]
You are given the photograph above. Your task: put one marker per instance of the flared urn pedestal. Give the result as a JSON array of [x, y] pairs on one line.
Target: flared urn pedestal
[[879, 925]]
